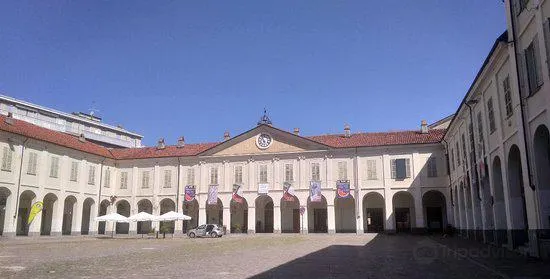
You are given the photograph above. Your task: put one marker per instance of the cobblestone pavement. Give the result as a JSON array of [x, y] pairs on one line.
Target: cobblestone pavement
[[262, 256]]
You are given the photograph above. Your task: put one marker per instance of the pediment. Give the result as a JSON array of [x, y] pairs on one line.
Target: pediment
[[281, 142]]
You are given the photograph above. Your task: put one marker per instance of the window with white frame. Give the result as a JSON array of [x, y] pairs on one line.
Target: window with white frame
[[263, 173], [289, 173], [31, 165], [491, 113], [124, 180], [507, 96], [400, 168], [342, 170], [54, 167], [145, 179], [371, 170], [7, 159], [190, 176], [315, 172], [239, 174], [74, 171], [167, 178], [214, 176], [432, 166], [91, 175]]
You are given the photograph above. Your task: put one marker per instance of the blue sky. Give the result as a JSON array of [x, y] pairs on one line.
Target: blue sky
[[172, 68]]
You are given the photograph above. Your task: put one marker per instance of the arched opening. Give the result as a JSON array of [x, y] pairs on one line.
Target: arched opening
[[373, 212], [144, 205], [25, 203], [49, 207], [317, 215], [462, 207], [264, 214], [344, 209], [290, 215], [191, 209], [403, 208], [433, 203], [167, 205], [86, 216], [239, 216], [69, 207], [517, 198], [4, 194], [214, 213], [542, 161], [123, 208], [103, 208], [499, 206], [468, 205]]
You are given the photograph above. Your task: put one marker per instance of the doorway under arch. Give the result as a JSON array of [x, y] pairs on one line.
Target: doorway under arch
[[373, 212], [435, 213], [50, 205], [25, 203], [5, 194], [123, 208], [191, 209], [344, 209], [103, 209], [214, 213], [167, 205], [69, 207], [516, 191], [541, 145], [144, 227], [239, 216], [264, 214], [317, 215], [87, 210], [290, 215], [403, 208]]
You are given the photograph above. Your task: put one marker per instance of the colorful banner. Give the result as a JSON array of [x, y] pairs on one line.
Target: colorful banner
[[35, 209], [213, 194], [237, 193], [288, 192], [263, 188], [342, 187], [315, 191], [189, 193]]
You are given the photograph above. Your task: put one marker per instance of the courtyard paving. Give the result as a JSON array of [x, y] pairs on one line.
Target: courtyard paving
[[262, 256]]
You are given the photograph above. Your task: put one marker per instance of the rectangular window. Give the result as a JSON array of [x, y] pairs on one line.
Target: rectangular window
[[6, 159], [263, 173], [480, 133], [213, 176], [315, 172], [342, 171], [54, 167], [74, 171], [432, 167], [145, 179], [91, 175], [491, 112], [190, 176], [124, 180], [289, 173], [371, 170], [400, 168], [238, 174], [167, 178], [107, 179], [31, 166], [457, 154], [532, 63], [507, 96]]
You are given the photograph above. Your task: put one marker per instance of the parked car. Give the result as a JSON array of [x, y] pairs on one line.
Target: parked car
[[207, 230]]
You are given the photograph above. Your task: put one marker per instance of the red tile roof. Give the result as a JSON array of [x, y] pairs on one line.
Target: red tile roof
[[380, 139], [335, 141], [36, 132]]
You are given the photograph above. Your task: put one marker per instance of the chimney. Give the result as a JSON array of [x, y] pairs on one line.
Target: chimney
[[9, 119], [347, 131], [423, 127], [181, 142], [160, 144], [81, 138], [297, 131], [226, 135]]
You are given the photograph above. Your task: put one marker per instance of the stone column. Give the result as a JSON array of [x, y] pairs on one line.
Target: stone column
[[202, 214], [331, 222], [76, 225], [252, 219], [227, 217], [390, 216], [92, 230], [34, 227], [57, 216], [359, 212], [276, 217], [304, 225], [418, 211]]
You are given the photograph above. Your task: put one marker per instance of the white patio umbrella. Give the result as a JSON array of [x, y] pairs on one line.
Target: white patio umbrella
[[142, 216], [113, 217], [172, 216]]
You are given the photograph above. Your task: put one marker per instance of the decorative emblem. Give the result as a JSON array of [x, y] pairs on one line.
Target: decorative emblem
[[263, 141]]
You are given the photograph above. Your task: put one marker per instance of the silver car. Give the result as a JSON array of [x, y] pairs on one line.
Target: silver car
[[206, 230]]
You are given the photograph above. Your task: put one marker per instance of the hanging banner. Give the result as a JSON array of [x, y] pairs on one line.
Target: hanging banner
[[342, 187], [189, 193], [237, 193], [288, 192], [263, 188], [315, 191], [213, 194], [35, 209]]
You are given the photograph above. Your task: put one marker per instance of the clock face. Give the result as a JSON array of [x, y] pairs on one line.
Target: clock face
[[263, 141]]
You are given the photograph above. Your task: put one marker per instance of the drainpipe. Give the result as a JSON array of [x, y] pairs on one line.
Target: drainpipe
[[474, 164], [100, 179], [178, 190], [19, 180]]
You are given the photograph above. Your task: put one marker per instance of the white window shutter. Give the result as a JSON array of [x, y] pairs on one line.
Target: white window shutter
[[393, 169], [546, 28], [523, 83], [408, 167], [537, 60]]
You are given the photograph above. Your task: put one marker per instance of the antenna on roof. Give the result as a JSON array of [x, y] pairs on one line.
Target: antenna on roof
[[265, 119]]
